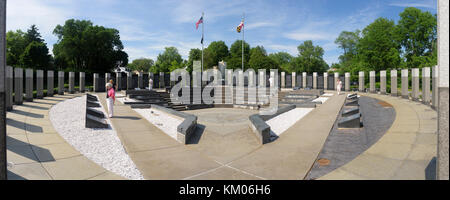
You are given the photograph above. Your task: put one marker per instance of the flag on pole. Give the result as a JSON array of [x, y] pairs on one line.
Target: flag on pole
[[240, 27], [199, 22], [201, 41]]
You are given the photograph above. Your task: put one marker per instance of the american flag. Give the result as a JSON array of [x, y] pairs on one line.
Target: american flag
[[199, 22]]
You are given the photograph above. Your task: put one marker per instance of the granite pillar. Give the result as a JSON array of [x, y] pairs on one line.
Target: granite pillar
[[314, 80], [347, 81], [18, 86], [61, 83], [294, 79], [161, 80], [39, 84], [336, 77], [3, 160], [283, 80], [443, 62], [383, 82], [29, 85], [372, 88], [262, 77], [435, 83], [394, 91], [9, 82], [119, 80], [96, 82], [82, 82], [130, 81], [50, 83], [426, 85], [415, 84], [304, 79], [71, 82], [361, 84], [325, 81], [141, 80], [405, 84]]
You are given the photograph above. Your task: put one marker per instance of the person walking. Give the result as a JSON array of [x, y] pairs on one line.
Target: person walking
[[110, 99], [339, 86]]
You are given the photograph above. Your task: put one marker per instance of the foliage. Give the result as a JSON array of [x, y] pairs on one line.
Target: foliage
[[169, 60], [216, 51], [141, 64], [310, 58], [235, 59]]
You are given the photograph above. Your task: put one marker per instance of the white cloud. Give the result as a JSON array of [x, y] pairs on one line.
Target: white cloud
[[250, 26], [419, 4]]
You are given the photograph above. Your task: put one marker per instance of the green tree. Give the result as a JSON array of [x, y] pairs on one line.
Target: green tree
[[81, 46], [235, 59], [348, 42], [217, 51], [260, 60], [417, 34], [378, 48], [36, 56], [310, 58], [284, 60], [165, 60], [194, 55], [15, 45], [141, 64]]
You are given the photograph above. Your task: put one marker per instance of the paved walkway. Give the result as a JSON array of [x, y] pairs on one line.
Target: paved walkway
[[291, 156], [36, 151], [407, 151]]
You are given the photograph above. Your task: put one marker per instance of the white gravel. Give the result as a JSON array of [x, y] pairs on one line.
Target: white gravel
[[167, 123], [102, 146], [328, 94], [321, 99], [281, 123]]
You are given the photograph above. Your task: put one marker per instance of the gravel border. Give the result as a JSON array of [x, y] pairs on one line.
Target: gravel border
[[102, 146], [283, 122], [165, 122]]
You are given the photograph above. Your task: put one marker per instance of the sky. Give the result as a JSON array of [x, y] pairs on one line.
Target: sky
[[146, 27]]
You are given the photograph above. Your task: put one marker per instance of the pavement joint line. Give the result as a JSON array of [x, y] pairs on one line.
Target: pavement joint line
[[248, 173], [202, 173], [156, 149], [101, 173]]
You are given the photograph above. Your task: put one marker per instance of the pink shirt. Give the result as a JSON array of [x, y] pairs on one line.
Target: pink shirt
[[112, 94]]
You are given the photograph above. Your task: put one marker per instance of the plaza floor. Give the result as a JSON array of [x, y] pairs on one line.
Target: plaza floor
[[223, 151]]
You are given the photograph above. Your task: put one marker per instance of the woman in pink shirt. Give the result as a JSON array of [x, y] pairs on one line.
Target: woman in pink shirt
[[110, 99]]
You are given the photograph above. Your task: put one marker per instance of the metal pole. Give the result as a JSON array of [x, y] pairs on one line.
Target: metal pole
[[203, 41], [243, 33], [3, 164]]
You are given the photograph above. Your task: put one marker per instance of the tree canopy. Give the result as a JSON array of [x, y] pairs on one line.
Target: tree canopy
[[169, 60], [141, 64], [82, 46]]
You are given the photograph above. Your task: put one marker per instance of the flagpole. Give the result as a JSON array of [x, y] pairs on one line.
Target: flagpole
[[203, 40], [243, 33]]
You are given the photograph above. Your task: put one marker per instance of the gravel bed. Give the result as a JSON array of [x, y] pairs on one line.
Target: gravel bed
[[321, 99], [102, 146], [165, 122], [281, 123]]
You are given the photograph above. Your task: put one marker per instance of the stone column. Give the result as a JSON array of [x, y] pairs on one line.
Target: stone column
[[405, 84], [372, 88], [361, 83], [130, 81], [262, 77], [141, 80], [294, 80], [82, 82], [314, 80], [347, 81], [283, 80], [251, 79], [9, 88], [3, 165], [29, 85], [336, 76], [383, 82], [161, 80], [442, 154], [426, 85], [18, 86], [325, 81], [107, 78], [435, 83], [96, 82], [61, 83], [119, 80], [50, 83], [394, 91], [304, 79], [415, 84], [39, 84], [71, 82]]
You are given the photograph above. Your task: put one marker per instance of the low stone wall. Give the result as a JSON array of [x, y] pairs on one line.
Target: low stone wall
[[259, 126], [187, 128]]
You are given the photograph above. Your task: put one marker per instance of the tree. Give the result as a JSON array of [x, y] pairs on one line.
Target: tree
[[141, 64], [81, 46], [217, 51], [165, 60], [283, 60], [259, 60], [417, 33], [310, 58], [15, 45], [194, 55], [33, 35], [235, 59], [378, 49], [348, 42], [36, 56]]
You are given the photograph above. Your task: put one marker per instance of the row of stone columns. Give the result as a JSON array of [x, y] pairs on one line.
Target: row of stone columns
[[14, 84], [427, 96]]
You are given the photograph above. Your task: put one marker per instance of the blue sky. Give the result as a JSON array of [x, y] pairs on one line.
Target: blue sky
[[146, 27]]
